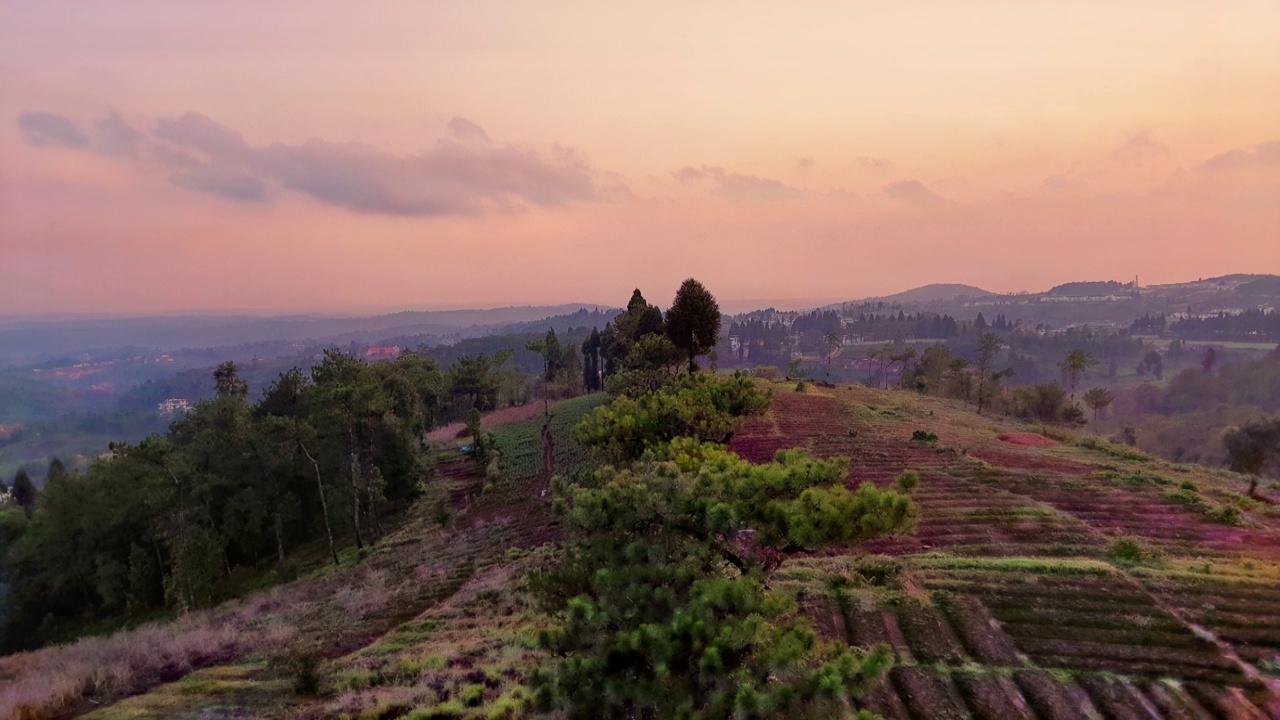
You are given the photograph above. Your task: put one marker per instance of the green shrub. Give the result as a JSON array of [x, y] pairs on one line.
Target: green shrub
[[1189, 498], [1122, 452], [303, 669], [922, 436], [510, 706], [472, 695], [1128, 551], [701, 406], [878, 570], [909, 480], [1225, 514]]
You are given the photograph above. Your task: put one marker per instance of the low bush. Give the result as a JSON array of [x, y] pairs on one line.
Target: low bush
[[1124, 452], [1225, 514], [303, 669], [922, 436], [472, 695], [1129, 551]]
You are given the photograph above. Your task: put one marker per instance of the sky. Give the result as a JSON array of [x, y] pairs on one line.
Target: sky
[[161, 157]]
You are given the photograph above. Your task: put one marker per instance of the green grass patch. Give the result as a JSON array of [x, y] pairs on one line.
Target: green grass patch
[[1079, 566]]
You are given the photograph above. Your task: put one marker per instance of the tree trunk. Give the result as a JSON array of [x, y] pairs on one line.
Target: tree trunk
[[355, 498], [181, 559], [280, 540], [354, 472], [324, 506]]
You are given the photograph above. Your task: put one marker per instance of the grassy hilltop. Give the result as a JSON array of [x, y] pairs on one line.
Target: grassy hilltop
[[1049, 577]]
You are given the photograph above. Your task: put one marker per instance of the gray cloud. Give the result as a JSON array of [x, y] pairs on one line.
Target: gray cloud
[[464, 129], [1266, 154], [804, 164], [463, 173], [1139, 148], [198, 132], [111, 136], [450, 178], [48, 130], [224, 180], [737, 186], [914, 193], [870, 162]]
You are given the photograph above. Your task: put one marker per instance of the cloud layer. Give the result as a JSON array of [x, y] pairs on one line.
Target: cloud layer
[[737, 186], [913, 193], [464, 173], [1263, 155]]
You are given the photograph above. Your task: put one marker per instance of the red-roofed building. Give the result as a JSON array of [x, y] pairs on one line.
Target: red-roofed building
[[375, 354]]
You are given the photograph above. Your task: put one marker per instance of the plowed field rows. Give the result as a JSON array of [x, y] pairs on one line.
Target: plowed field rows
[[1011, 601]]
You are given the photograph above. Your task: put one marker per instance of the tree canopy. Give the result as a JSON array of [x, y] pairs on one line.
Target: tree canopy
[[693, 321], [661, 601]]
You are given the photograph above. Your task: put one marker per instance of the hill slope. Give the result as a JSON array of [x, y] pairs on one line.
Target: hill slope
[[1046, 580], [935, 293]]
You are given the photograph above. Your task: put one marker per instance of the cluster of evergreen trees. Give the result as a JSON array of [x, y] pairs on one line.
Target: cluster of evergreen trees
[[166, 522], [769, 341], [762, 342], [1254, 325], [643, 347]]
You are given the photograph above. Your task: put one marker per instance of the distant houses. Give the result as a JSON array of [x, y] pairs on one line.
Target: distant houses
[[173, 407]]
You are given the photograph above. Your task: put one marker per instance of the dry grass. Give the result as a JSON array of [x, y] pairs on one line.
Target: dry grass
[[57, 680]]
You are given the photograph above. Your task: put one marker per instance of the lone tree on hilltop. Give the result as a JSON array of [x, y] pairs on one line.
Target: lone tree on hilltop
[[1074, 367], [693, 321], [1252, 446], [1097, 399]]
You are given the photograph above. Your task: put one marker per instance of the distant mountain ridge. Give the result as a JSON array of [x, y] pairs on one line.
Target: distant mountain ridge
[[932, 293], [936, 292], [30, 339]]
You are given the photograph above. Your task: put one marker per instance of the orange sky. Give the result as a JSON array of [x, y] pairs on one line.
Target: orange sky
[[160, 156]]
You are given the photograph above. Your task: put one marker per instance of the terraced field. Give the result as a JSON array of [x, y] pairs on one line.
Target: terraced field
[[1058, 582], [1074, 580]]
